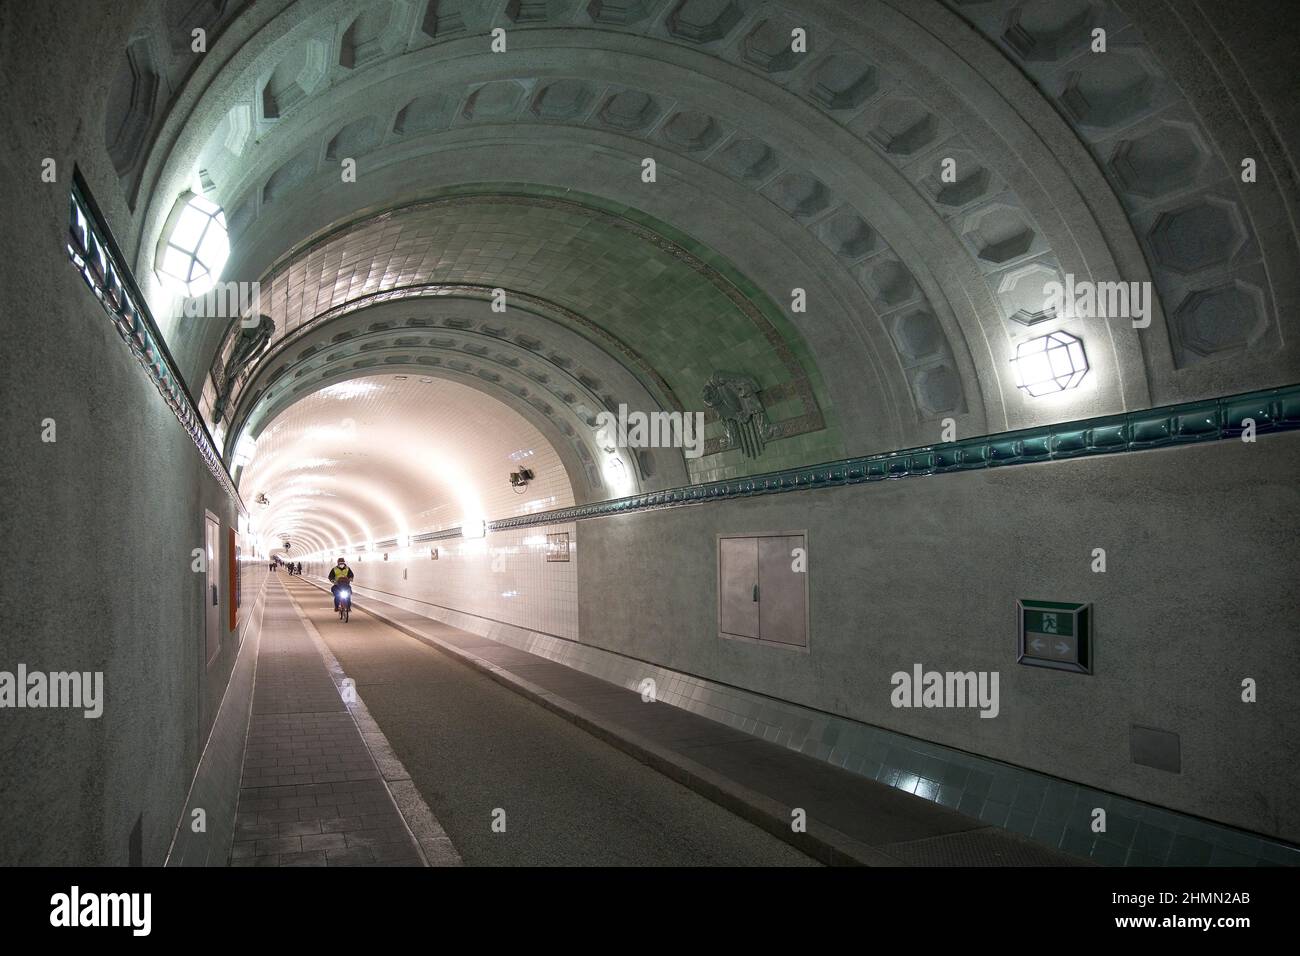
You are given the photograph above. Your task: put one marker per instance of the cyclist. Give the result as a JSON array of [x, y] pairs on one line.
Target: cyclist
[[340, 575]]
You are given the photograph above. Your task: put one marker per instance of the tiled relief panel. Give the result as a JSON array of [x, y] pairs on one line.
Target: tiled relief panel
[[504, 578]]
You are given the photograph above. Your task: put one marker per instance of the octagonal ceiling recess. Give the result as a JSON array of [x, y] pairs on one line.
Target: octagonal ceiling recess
[[384, 457], [780, 170]]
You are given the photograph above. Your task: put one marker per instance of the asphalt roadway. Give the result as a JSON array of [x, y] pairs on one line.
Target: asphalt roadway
[[473, 747]]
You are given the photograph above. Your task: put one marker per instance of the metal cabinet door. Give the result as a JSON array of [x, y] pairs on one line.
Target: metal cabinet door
[[738, 589], [783, 596], [211, 590]]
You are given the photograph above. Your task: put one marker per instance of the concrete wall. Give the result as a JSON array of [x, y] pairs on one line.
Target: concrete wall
[[215, 790], [105, 520], [100, 524], [1199, 593]]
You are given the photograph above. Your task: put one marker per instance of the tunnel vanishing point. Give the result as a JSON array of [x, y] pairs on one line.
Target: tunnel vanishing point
[[650, 432]]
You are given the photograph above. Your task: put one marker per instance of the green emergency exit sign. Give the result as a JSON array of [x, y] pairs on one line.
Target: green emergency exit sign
[[1054, 634]]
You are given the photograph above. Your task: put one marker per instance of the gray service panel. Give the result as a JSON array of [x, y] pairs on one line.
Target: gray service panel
[[782, 604], [761, 597], [738, 586]]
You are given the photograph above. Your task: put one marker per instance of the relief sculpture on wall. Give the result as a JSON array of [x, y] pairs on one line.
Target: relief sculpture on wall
[[735, 400]]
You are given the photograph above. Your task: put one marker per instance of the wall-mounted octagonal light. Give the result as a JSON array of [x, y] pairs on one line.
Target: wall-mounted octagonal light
[[244, 451], [194, 246], [1050, 363]]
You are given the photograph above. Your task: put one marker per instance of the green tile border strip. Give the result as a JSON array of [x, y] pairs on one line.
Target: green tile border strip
[[100, 262], [1169, 426]]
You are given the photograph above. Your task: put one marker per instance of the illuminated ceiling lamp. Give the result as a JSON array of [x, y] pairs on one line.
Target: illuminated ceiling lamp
[[1050, 363], [619, 478], [244, 450], [194, 246]]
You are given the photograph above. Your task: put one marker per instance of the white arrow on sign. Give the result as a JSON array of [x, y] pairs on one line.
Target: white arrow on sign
[[1036, 644], [1062, 647]]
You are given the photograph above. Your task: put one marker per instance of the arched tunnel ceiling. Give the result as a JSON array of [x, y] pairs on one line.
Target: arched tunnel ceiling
[[382, 457], [817, 171], [559, 388], [559, 262]]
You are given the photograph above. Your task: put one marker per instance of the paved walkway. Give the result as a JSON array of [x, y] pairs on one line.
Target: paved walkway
[[310, 795]]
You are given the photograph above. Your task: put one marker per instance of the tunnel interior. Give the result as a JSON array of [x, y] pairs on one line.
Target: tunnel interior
[[910, 388]]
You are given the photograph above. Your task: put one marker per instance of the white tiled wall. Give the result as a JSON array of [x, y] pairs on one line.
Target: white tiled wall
[[504, 577], [548, 490]]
